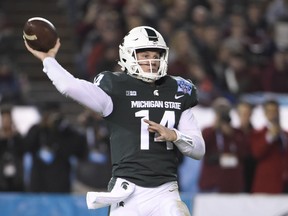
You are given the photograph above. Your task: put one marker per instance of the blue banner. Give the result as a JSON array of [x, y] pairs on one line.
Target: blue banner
[[25, 204], [15, 204]]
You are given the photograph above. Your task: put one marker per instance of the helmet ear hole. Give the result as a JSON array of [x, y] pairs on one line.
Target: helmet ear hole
[[139, 38]]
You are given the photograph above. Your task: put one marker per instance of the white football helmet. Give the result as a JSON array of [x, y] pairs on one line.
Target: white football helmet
[[143, 37]]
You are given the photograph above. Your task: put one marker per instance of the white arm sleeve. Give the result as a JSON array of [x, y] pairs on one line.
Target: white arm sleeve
[[86, 93], [189, 136]]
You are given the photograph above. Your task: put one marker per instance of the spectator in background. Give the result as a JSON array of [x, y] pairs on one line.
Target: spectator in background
[[52, 143], [207, 90], [236, 37], [260, 44], [178, 12], [207, 43], [11, 154], [94, 171], [223, 163], [199, 15], [166, 27], [256, 23], [11, 85], [275, 74], [276, 10], [238, 78], [7, 40], [136, 12], [86, 24], [182, 54], [98, 49], [104, 53], [218, 11], [244, 110], [270, 148]]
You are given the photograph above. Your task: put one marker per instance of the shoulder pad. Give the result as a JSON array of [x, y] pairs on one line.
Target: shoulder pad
[[185, 86], [107, 79]]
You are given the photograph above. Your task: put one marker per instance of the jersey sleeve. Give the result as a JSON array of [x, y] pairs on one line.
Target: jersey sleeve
[[86, 93], [104, 81]]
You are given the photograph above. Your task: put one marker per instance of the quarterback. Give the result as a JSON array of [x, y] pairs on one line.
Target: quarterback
[[150, 117]]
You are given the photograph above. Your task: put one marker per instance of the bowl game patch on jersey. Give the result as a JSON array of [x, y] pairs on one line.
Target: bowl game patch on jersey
[[184, 86]]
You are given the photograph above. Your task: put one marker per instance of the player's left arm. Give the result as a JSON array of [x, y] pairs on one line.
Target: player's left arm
[[188, 137]]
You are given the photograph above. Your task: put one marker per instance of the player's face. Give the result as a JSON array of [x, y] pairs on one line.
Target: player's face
[[149, 60]]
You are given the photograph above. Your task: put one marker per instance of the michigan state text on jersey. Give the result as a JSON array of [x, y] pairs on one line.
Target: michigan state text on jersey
[[135, 154]]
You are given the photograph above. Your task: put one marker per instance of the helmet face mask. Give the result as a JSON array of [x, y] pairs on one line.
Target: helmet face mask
[[143, 38]]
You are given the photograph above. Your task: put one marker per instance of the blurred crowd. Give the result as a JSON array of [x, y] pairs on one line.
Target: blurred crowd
[[243, 159], [13, 84], [54, 156], [57, 156], [228, 48]]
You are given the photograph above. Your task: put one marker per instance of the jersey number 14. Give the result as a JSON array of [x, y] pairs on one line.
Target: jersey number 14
[[168, 120]]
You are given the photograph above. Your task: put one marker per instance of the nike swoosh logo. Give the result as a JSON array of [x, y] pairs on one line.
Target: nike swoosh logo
[[178, 96], [171, 190]]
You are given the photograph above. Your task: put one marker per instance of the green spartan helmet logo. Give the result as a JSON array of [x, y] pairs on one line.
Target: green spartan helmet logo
[[124, 185]]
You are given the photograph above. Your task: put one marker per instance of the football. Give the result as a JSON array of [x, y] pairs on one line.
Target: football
[[40, 34]]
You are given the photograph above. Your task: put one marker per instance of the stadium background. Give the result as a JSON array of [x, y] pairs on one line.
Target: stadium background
[[40, 90]]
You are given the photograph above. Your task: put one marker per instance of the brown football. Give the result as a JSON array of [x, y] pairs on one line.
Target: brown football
[[40, 34]]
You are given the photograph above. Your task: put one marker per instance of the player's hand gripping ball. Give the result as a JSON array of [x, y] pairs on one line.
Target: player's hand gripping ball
[[40, 34]]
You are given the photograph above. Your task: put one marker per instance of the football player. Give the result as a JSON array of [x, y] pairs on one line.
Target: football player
[[150, 118]]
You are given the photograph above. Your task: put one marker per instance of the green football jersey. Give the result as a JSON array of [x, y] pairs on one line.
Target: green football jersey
[[135, 155]]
